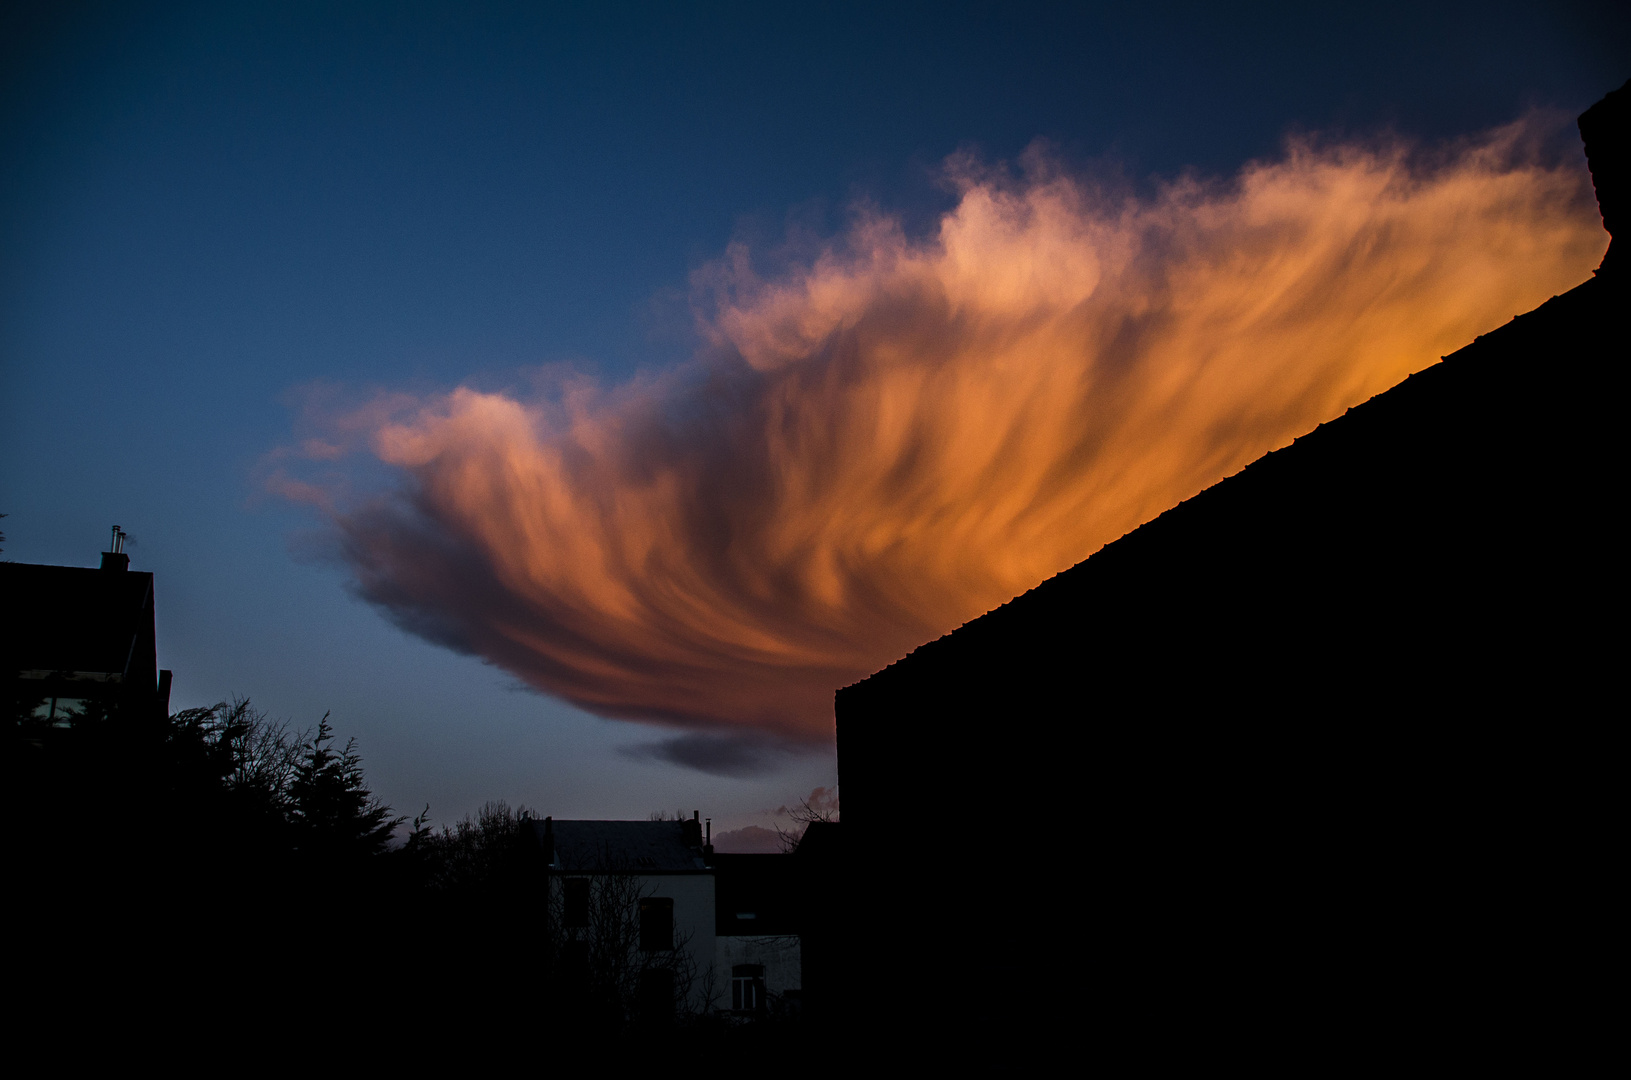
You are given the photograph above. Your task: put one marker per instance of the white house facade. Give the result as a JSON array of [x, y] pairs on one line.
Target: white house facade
[[642, 915]]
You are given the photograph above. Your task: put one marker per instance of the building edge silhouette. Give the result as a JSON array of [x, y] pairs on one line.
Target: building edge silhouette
[[1316, 758]]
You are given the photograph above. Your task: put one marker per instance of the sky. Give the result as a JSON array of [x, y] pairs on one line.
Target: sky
[[569, 398]]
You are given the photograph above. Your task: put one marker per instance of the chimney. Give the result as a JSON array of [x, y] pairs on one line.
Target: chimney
[[708, 844], [692, 830], [115, 558]]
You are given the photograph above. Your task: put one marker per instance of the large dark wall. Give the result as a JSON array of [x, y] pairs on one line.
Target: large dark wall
[[1335, 725]]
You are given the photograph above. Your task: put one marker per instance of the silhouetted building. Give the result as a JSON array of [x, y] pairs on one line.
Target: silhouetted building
[[1319, 753], [77, 637], [827, 894]]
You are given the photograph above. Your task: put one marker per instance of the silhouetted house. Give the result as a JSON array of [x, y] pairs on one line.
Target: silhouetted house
[[76, 637], [1321, 752], [645, 910]]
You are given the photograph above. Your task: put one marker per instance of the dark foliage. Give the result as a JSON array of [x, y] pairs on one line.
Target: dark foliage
[[332, 812], [177, 839]]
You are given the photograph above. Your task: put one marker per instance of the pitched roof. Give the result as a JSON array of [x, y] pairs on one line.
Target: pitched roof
[[641, 847], [73, 618]]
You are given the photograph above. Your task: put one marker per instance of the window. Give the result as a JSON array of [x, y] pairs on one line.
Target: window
[[577, 902], [656, 924], [60, 711], [747, 987]]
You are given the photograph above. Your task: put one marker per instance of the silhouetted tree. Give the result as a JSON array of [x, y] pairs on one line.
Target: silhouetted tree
[[476, 853], [265, 755], [333, 813], [803, 815]]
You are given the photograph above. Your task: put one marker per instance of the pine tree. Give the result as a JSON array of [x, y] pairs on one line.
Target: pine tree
[[335, 815]]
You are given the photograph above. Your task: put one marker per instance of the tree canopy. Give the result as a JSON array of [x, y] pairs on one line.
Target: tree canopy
[[333, 813]]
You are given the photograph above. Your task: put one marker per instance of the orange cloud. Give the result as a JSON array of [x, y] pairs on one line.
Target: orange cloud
[[902, 433]]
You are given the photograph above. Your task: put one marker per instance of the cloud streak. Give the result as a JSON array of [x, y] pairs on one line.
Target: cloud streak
[[900, 433]]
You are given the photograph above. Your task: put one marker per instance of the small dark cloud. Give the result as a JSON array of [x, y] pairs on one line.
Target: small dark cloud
[[720, 755]]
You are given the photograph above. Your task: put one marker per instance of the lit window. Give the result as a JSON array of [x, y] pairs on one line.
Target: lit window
[[60, 711]]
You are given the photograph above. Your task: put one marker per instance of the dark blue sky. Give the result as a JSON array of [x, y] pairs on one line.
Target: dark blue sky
[[204, 208]]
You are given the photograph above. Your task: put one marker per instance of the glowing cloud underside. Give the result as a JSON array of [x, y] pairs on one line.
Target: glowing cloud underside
[[901, 434]]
